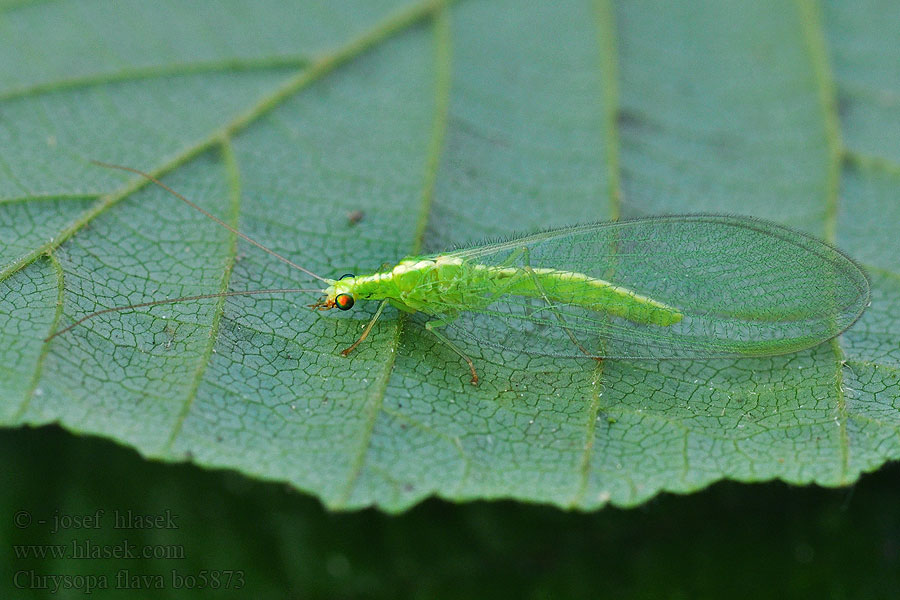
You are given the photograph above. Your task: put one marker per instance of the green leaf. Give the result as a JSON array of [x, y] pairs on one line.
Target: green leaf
[[439, 124]]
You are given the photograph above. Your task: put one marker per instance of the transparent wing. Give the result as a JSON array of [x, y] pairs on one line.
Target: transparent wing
[[743, 287]]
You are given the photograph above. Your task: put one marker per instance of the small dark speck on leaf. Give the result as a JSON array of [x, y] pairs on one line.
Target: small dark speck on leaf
[[355, 216], [632, 120], [843, 105]]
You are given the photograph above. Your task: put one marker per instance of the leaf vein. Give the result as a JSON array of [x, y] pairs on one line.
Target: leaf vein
[[605, 19], [813, 32], [441, 25], [39, 364], [234, 185], [317, 69]]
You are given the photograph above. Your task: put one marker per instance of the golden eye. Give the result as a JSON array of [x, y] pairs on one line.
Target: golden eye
[[343, 301]]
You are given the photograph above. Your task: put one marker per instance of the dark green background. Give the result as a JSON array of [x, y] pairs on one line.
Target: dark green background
[[730, 540]]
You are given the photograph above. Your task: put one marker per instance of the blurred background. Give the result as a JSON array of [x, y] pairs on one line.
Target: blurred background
[[731, 540]]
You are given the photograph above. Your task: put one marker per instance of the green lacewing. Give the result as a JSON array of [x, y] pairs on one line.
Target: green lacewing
[[671, 287]]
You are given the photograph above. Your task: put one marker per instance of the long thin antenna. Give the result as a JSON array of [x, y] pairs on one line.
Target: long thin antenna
[[210, 215], [174, 300]]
